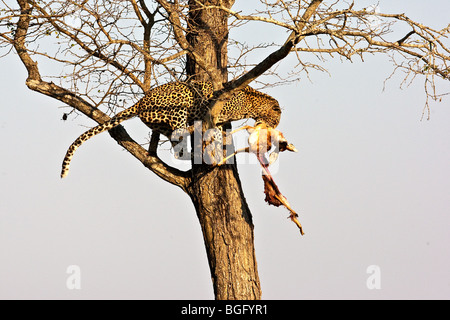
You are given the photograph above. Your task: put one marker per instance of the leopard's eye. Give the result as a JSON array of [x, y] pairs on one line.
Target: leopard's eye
[[276, 108]]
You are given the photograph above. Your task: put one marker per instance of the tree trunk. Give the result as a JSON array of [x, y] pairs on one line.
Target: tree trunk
[[216, 192], [227, 231]]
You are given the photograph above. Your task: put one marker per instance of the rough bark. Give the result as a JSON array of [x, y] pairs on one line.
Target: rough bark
[[216, 192], [227, 231]]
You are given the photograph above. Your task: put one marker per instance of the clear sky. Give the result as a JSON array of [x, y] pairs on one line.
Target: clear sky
[[371, 183]]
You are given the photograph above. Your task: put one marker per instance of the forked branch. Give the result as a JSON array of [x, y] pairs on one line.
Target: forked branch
[[35, 82]]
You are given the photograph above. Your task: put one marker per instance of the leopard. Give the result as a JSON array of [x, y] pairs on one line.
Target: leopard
[[176, 105]]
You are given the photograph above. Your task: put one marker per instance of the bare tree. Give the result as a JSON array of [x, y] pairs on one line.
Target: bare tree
[[109, 53]]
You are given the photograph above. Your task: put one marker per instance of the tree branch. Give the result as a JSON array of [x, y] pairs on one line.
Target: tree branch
[[34, 82], [351, 32], [175, 21], [293, 39], [238, 84]]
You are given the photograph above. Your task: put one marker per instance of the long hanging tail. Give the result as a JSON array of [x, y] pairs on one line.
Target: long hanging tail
[[114, 122]]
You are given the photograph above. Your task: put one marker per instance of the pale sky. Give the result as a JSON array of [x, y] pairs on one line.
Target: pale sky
[[371, 184]]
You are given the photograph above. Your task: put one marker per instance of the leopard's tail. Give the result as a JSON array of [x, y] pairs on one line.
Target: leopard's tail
[[114, 122]]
